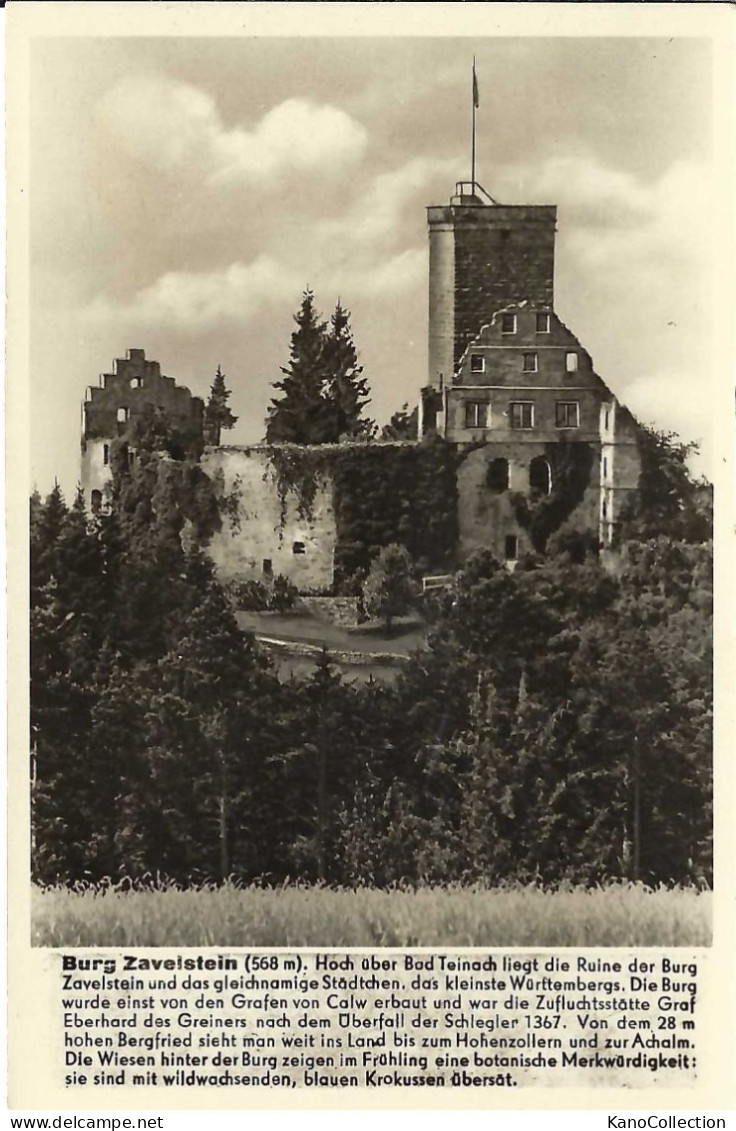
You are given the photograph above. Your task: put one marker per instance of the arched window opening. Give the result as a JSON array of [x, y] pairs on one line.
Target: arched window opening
[[540, 476], [498, 475], [96, 501]]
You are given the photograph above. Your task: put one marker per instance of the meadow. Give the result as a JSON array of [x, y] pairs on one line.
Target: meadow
[[301, 915]]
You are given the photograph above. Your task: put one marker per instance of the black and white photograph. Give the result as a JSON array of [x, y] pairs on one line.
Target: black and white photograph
[[372, 425], [381, 559]]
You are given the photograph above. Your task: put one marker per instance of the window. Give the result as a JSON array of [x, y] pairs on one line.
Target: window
[[540, 476], [508, 323], [298, 548], [530, 363], [567, 414], [267, 567], [605, 467], [106, 454], [521, 414], [477, 363], [476, 414], [604, 508], [543, 323], [96, 501], [571, 362], [498, 475], [607, 419], [123, 415], [136, 382], [511, 547]]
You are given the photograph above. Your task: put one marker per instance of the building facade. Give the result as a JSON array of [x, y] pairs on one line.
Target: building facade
[[509, 383]]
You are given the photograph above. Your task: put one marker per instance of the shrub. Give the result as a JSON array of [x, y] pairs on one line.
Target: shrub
[[250, 595], [283, 594]]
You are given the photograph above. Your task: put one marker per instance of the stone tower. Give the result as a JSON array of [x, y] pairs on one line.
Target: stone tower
[[513, 388], [483, 256]]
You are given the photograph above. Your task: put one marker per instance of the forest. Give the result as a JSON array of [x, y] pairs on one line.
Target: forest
[[557, 728]]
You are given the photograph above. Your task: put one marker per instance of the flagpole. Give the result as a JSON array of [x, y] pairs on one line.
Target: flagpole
[[472, 177]]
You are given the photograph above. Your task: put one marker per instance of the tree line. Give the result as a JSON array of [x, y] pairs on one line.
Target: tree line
[[556, 727]]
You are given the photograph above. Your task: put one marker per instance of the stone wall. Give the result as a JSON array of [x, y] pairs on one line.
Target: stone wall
[[263, 536], [504, 255], [488, 516]]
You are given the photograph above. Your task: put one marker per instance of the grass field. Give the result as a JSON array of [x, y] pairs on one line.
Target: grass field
[[618, 915], [359, 654]]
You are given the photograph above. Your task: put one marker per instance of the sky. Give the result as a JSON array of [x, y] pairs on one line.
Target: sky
[[185, 191]]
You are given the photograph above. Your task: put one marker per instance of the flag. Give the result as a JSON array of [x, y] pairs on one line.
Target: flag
[[476, 99]]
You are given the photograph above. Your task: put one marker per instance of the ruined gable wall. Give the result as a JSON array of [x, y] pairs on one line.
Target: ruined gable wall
[[502, 255]]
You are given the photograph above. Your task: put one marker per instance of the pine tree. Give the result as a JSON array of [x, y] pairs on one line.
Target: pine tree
[[347, 389], [217, 412], [47, 519], [300, 415]]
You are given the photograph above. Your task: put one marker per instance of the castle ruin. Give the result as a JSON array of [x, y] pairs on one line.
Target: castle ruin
[[537, 437]]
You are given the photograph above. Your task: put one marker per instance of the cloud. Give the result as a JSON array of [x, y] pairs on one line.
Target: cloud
[[176, 129], [387, 279], [594, 193], [608, 213], [378, 213], [191, 302]]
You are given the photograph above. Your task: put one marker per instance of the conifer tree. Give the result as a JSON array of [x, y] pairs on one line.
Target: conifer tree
[[217, 412], [299, 416], [347, 389], [47, 519]]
